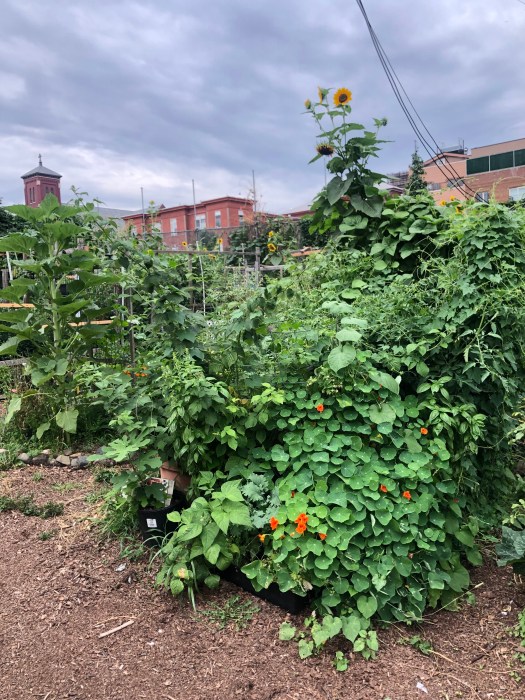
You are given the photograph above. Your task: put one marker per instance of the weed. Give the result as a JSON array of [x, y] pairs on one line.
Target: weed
[[132, 550], [65, 486], [26, 506], [234, 611], [422, 645], [37, 476], [340, 661], [46, 535]]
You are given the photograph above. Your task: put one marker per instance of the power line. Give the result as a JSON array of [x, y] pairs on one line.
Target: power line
[[447, 169]]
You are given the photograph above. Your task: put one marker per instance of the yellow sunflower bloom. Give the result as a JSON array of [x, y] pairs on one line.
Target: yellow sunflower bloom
[[322, 92], [272, 248], [308, 104], [342, 97], [443, 202], [271, 234], [184, 244], [324, 149], [219, 241]]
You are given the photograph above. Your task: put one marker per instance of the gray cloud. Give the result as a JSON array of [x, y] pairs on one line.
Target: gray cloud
[[120, 94]]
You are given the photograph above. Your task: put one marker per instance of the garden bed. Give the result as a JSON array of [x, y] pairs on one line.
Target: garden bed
[[59, 594]]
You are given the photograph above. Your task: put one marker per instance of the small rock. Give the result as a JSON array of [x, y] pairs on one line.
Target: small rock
[[74, 455], [68, 452], [24, 457], [80, 463], [64, 460], [40, 460], [2, 450], [46, 452]]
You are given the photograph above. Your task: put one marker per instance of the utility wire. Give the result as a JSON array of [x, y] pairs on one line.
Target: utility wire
[[446, 168]]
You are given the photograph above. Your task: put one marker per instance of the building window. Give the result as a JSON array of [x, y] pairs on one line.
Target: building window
[[516, 193], [455, 182], [173, 226], [482, 196], [241, 217], [156, 227], [200, 221], [133, 231], [217, 219], [433, 186]]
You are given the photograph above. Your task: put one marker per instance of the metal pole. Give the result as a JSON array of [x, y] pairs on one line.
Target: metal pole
[[194, 213], [143, 214]]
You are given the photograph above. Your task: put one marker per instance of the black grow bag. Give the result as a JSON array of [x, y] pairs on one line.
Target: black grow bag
[[153, 522], [291, 602]]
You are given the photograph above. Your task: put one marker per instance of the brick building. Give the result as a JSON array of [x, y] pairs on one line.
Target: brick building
[[180, 225], [39, 182]]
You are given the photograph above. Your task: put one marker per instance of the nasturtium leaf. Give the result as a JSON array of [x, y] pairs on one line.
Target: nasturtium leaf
[[286, 632]]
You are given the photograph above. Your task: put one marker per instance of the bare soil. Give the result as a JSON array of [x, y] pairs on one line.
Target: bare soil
[[58, 595]]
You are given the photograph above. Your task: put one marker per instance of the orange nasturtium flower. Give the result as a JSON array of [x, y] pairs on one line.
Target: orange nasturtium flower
[[273, 523], [407, 495], [302, 518], [424, 431], [300, 528], [261, 537], [383, 488], [322, 536], [320, 407]]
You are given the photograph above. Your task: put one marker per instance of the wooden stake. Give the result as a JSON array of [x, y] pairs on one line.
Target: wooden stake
[[116, 629]]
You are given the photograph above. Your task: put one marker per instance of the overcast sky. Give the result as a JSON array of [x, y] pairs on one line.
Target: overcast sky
[[118, 94]]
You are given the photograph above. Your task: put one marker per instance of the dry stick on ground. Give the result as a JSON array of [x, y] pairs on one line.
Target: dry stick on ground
[[116, 629]]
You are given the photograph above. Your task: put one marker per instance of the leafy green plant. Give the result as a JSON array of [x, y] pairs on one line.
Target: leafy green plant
[[46, 535], [234, 611], [204, 541], [422, 645], [27, 506], [57, 324]]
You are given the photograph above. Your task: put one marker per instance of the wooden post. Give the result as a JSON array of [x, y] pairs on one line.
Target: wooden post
[[257, 265]]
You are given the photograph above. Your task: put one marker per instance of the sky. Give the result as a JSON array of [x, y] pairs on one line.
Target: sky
[[117, 95]]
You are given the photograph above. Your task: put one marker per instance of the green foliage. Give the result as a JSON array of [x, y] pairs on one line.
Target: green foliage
[[204, 541], [26, 506], [352, 195], [48, 256], [416, 182], [235, 612], [422, 645]]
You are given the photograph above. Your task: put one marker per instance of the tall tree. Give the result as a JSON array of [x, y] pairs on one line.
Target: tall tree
[[416, 182]]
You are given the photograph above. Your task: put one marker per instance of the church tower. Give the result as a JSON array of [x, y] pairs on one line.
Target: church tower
[[39, 182]]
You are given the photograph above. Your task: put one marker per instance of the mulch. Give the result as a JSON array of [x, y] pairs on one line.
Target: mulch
[[58, 595]]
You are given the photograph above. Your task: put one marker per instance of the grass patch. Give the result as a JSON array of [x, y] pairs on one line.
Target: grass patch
[[26, 506]]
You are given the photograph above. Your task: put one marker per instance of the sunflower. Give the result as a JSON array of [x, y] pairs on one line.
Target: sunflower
[[272, 248], [324, 148], [308, 104], [322, 92], [219, 241], [342, 97], [184, 244]]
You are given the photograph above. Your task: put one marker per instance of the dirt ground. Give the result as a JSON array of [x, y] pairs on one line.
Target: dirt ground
[[58, 595]]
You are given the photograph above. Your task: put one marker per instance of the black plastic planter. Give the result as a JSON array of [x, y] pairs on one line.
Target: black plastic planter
[[291, 602], [153, 522]]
